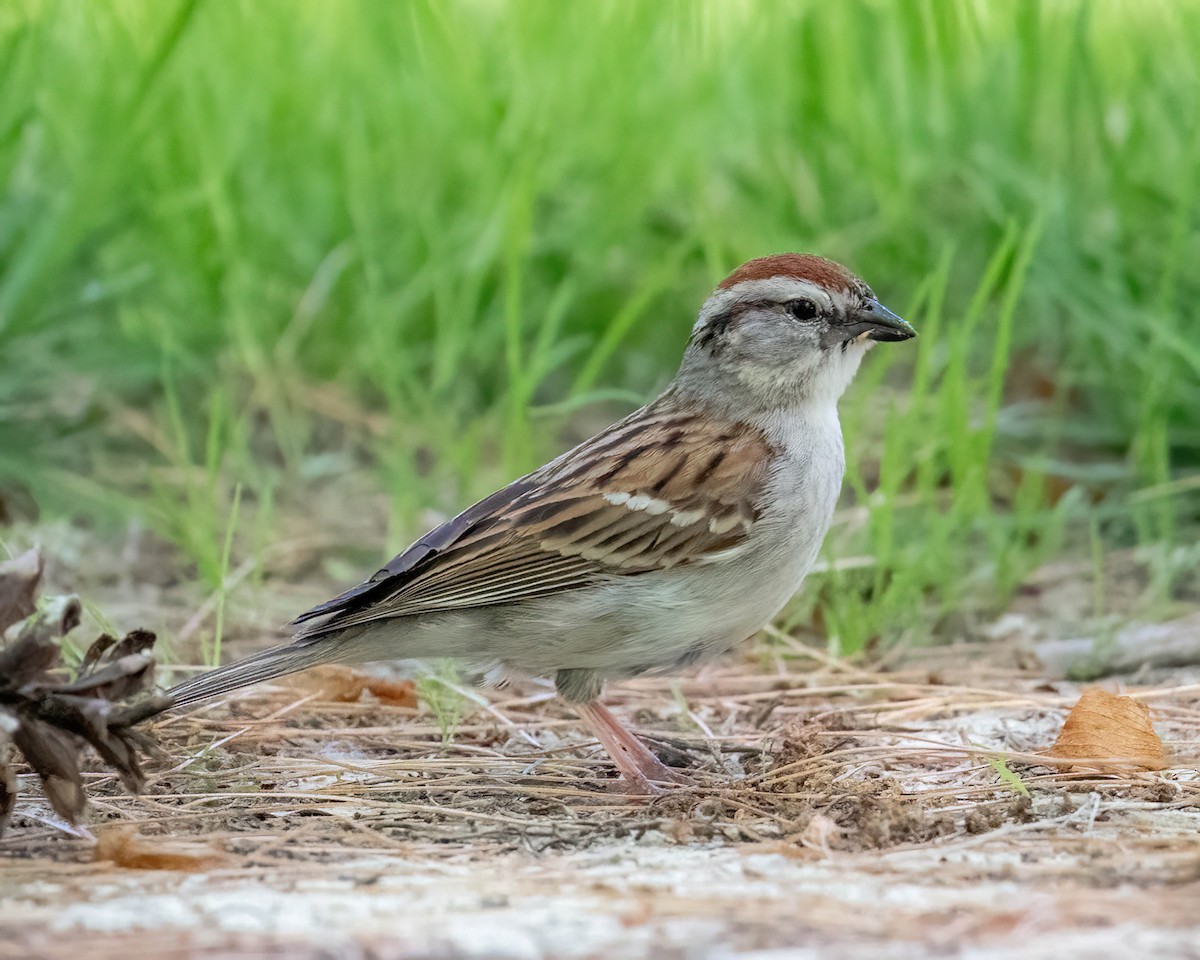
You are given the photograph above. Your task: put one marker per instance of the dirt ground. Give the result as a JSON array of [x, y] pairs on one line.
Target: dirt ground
[[897, 810]]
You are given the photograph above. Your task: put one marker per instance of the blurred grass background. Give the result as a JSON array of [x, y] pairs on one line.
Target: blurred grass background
[[249, 247]]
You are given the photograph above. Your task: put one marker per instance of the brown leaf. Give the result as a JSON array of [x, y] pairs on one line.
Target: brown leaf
[[115, 680], [120, 845], [36, 648], [55, 757], [100, 646], [49, 720], [393, 693], [19, 579], [8, 776], [122, 717], [27, 659], [134, 642], [345, 685], [1110, 731], [25, 666]]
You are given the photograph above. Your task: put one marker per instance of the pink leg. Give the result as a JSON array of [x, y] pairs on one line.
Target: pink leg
[[635, 761]]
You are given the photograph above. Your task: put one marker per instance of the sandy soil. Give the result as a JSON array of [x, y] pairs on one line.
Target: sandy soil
[[862, 818], [1069, 889], [834, 811]]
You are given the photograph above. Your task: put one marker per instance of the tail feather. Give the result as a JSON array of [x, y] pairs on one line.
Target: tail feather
[[272, 663]]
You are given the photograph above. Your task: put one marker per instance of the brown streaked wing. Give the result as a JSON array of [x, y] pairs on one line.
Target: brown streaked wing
[[658, 489]]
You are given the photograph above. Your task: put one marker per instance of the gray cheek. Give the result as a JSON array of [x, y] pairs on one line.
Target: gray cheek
[[783, 341], [832, 336]]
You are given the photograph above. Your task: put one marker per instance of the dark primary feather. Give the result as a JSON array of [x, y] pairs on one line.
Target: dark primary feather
[[432, 543]]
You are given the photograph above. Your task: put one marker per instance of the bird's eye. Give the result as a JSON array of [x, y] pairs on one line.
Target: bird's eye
[[802, 309]]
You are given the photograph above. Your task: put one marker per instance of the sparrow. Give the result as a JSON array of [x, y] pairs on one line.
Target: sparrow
[[663, 541]]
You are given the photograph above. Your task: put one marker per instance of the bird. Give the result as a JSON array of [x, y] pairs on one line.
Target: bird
[[663, 541]]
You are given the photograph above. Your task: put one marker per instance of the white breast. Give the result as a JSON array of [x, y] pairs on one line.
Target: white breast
[[804, 491]]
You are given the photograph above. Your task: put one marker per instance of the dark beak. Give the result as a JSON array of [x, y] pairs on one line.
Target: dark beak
[[877, 322]]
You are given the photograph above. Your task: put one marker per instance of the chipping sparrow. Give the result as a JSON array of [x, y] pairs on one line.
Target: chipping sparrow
[[662, 541]]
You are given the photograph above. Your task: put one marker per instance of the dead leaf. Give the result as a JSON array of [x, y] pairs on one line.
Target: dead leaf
[[1110, 731], [55, 757], [346, 685], [19, 579], [393, 693], [100, 646], [8, 776], [50, 719], [120, 845]]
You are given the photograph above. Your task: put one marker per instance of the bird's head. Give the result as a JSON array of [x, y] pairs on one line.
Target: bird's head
[[786, 329]]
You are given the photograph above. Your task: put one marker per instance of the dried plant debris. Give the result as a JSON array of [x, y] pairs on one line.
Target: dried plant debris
[[19, 579], [340, 684], [49, 717], [120, 845], [1110, 732]]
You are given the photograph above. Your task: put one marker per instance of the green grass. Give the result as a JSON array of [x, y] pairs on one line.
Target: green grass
[[438, 689], [250, 245], [1008, 777]]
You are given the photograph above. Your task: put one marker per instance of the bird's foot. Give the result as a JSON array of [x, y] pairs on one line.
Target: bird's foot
[[642, 773]]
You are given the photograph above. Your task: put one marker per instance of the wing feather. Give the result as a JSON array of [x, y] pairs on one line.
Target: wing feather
[[658, 489]]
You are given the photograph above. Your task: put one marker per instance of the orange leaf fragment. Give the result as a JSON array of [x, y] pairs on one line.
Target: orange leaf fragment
[[346, 685], [1110, 731], [120, 845]]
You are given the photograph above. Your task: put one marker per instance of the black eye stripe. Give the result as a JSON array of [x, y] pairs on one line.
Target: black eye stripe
[[712, 334]]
